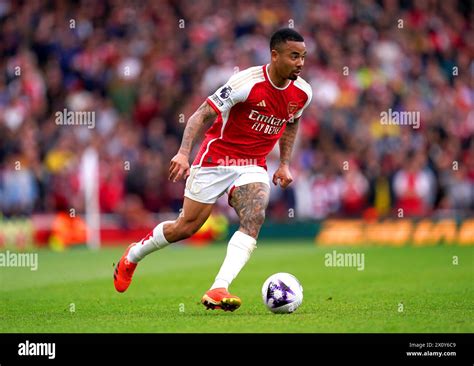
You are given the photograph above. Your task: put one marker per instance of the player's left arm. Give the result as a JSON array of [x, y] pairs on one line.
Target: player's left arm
[[287, 140]]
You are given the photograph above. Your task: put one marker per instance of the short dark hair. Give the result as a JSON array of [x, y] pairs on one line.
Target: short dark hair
[[283, 35]]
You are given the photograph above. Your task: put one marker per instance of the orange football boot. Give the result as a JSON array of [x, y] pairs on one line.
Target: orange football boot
[[220, 298], [124, 271]]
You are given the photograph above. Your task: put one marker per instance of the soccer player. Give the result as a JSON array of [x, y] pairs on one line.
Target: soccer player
[[256, 108]]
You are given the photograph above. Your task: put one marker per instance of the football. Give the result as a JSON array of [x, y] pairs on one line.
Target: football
[[282, 293]]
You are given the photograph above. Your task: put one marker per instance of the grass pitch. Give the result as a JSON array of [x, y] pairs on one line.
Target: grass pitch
[[400, 290]]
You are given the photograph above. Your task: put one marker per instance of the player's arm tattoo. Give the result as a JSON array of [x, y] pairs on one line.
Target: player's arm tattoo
[[287, 141], [195, 123], [250, 202]]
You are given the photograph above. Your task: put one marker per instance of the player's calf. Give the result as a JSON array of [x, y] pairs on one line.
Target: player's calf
[[250, 202]]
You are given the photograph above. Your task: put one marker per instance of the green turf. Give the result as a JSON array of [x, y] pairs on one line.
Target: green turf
[[437, 296]]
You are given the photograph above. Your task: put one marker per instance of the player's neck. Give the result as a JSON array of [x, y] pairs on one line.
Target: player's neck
[[276, 79]]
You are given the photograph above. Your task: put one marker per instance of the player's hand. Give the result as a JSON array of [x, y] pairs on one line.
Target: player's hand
[[283, 176], [179, 167]]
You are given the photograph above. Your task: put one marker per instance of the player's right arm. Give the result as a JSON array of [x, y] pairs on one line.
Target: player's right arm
[[179, 167]]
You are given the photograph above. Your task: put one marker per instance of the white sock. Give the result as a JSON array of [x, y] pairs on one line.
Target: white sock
[[238, 253], [154, 241]]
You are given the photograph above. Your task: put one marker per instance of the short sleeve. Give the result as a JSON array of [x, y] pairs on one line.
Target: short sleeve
[[229, 94], [309, 93]]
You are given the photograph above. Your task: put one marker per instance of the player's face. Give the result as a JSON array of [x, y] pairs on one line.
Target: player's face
[[289, 59]]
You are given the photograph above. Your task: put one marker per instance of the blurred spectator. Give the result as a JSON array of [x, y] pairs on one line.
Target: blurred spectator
[[413, 186], [354, 188], [18, 187]]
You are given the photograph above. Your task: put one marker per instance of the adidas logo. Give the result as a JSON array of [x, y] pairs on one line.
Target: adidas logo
[[262, 103]]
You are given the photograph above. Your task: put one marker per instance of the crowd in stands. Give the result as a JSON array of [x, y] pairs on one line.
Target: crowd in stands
[[143, 67]]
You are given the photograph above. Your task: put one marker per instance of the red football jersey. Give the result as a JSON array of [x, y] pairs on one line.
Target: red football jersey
[[252, 116]]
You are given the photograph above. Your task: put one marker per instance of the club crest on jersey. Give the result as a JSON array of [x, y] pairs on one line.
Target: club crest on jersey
[[292, 108], [225, 92]]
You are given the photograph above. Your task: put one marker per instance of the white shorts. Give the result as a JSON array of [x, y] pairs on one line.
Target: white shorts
[[207, 184]]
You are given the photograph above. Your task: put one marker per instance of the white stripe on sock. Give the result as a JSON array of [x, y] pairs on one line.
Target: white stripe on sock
[[141, 249]]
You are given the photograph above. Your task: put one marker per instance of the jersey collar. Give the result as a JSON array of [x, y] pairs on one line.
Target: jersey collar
[[267, 76]]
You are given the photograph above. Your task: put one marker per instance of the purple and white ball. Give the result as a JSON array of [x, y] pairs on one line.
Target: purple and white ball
[[282, 293]]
